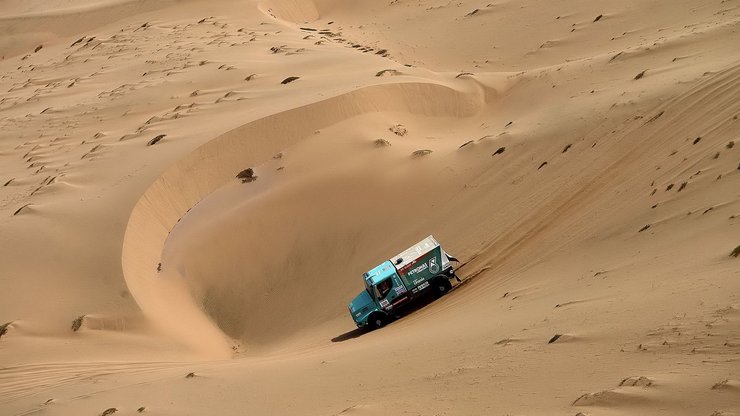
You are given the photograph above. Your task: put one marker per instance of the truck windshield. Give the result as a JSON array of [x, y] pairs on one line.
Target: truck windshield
[[382, 289]]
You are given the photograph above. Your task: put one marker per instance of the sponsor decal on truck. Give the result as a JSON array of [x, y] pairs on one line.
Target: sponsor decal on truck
[[417, 269], [433, 266]]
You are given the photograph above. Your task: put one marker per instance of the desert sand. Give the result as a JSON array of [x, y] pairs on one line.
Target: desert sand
[[580, 157]]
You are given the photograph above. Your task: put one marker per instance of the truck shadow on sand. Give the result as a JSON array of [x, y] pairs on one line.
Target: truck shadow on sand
[[400, 314], [408, 310], [357, 332]]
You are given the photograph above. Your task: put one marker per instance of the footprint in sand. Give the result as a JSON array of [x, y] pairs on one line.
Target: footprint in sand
[[390, 72], [289, 80], [156, 140], [77, 323], [421, 153], [21, 209], [601, 398], [398, 130], [722, 385], [4, 328], [636, 382]]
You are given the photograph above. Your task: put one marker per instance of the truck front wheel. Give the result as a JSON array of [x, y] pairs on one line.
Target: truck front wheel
[[377, 321]]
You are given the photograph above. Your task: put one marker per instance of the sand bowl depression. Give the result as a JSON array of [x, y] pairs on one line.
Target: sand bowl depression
[[183, 185]]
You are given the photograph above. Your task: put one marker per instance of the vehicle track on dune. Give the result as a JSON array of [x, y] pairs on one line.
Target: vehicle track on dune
[[26, 380], [709, 107]]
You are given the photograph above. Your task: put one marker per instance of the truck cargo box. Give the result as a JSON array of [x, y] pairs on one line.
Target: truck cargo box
[[420, 263]]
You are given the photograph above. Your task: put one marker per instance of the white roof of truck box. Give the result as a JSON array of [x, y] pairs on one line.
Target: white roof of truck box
[[414, 252]]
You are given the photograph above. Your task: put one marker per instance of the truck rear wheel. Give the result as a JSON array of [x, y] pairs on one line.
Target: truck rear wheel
[[441, 286], [377, 321]]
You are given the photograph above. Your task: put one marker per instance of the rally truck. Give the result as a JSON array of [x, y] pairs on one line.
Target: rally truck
[[400, 281]]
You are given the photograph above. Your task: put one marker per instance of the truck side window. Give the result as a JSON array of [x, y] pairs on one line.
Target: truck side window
[[382, 289]]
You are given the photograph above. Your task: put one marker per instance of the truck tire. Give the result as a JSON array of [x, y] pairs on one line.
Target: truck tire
[[441, 286], [377, 321]]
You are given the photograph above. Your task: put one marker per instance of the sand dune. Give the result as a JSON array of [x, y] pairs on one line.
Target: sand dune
[[190, 191]]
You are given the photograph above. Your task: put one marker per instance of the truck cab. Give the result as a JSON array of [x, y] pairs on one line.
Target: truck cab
[[396, 282]]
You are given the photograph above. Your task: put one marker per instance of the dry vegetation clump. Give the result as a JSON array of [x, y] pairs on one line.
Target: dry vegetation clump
[[247, 175]]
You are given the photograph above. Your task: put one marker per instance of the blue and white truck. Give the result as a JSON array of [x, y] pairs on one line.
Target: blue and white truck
[[401, 280]]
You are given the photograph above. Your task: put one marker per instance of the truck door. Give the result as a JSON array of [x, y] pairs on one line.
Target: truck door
[[389, 292]]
